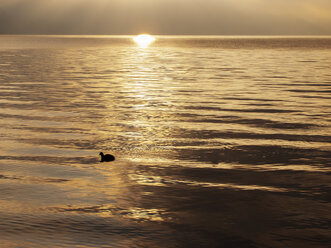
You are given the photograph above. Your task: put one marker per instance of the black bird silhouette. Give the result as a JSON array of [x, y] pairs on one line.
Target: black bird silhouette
[[106, 158]]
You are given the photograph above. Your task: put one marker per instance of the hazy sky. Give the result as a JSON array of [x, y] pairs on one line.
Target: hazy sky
[[219, 17]]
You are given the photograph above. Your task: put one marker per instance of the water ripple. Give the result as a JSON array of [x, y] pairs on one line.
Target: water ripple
[[217, 140]]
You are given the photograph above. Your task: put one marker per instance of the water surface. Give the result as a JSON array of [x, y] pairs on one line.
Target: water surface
[[219, 142]]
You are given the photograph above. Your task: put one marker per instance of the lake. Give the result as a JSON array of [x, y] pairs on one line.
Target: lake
[[219, 142]]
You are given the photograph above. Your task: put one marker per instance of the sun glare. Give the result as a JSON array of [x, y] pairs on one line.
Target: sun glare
[[144, 40]]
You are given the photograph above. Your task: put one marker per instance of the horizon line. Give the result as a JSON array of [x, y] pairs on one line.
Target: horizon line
[[174, 35]]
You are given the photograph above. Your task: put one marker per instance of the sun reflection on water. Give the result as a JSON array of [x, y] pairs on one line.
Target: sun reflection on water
[[167, 182], [110, 210]]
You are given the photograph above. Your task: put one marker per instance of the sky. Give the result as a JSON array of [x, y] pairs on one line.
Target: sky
[[167, 17]]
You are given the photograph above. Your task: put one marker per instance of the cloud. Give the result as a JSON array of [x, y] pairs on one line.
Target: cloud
[[165, 16]]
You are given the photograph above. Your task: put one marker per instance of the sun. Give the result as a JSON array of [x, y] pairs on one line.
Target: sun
[[144, 40]]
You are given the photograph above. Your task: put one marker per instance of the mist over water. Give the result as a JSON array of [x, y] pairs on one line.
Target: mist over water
[[219, 142]]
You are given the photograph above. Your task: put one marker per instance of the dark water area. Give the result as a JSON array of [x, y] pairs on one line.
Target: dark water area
[[219, 142]]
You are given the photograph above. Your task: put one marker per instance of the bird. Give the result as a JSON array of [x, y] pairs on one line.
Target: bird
[[106, 158]]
